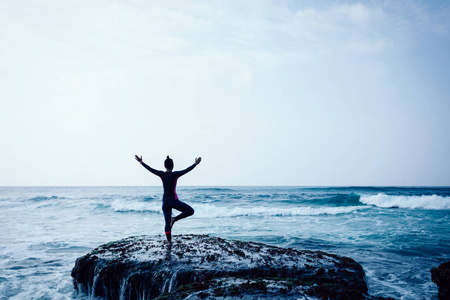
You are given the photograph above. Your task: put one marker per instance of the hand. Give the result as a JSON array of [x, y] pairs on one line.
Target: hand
[[198, 160], [139, 159]]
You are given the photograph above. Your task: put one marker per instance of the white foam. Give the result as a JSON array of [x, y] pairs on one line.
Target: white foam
[[413, 202], [129, 206], [207, 210]]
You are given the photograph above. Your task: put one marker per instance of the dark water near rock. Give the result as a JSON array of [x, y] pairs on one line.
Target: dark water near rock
[[397, 234]]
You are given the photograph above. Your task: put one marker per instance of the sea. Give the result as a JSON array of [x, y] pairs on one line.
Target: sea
[[397, 234]]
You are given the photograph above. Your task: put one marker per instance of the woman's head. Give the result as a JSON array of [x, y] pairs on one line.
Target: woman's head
[[168, 163]]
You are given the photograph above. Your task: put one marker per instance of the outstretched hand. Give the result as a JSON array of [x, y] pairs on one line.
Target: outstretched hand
[[198, 160], [139, 159]]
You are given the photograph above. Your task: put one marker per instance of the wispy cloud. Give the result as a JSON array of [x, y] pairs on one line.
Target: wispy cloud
[[252, 33]]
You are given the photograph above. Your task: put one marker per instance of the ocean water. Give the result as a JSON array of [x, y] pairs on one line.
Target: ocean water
[[396, 233]]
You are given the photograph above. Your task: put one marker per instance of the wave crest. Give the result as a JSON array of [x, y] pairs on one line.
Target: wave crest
[[412, 202], [136, 206], [44, 198], [207, 210]]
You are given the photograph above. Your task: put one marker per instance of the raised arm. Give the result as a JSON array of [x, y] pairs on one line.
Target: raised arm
[[197, 161], [156, 172]]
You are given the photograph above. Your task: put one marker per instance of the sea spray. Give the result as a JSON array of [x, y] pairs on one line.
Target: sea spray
[[413, 202]]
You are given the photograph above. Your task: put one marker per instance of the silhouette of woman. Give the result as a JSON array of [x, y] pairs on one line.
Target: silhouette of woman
[[170, 198]]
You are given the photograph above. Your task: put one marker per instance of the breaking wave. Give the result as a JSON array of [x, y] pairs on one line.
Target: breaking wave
[[206, 210], [136, 206], [44, 198], [412, 202]]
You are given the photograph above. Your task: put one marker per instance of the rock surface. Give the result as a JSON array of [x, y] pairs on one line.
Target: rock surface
[[441, 276], [201, 266]]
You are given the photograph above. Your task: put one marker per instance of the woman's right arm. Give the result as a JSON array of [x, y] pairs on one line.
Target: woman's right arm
[[156, 172]]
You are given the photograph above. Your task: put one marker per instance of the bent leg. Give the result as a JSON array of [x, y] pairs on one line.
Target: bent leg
[[185, 209]]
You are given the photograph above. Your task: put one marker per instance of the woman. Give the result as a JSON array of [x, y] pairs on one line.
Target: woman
[[170, 197]]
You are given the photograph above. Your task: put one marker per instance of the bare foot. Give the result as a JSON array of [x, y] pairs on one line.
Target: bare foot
[[172, 221]]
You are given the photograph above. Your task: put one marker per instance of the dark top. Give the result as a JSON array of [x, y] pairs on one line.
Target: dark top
[[169, 180]]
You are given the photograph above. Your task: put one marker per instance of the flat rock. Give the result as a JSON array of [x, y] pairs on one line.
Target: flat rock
[[201, 266]]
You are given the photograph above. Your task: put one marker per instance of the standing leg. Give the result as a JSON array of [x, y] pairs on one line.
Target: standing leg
[[167, 211], [185, 209]]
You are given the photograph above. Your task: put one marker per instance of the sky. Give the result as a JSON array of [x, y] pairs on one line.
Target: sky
[[302, 93]]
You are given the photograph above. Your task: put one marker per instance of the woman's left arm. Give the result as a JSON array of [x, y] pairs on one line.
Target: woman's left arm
[[197, 161]]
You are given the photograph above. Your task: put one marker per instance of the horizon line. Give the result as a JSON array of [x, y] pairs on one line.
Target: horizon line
[[299, 186]]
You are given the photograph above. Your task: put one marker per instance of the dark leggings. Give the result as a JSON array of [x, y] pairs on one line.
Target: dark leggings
[[167, 206]]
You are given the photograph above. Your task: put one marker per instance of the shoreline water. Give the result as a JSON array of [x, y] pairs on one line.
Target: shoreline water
[[44, 229]]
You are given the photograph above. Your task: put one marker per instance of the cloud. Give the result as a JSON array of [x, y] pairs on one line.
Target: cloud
[[246, 76], [357, 12], [370, 46]]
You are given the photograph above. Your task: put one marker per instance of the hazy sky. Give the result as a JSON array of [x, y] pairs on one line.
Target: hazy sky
[[267, 92]]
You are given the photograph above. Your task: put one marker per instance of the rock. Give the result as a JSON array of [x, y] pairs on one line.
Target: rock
[[201, 266], [441, 276]]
